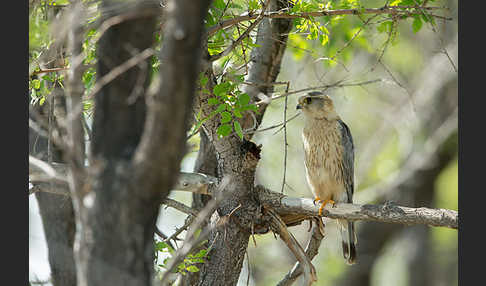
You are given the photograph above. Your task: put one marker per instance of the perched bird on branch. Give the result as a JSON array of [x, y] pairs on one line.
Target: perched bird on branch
[[329, 160]]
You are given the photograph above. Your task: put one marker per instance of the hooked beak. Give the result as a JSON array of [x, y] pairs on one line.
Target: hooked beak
[[298, 106]]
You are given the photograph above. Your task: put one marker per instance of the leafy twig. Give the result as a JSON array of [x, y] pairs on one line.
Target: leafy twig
[[285, 14]]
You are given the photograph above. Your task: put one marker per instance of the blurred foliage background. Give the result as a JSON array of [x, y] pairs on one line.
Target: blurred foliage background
[[398, 95]]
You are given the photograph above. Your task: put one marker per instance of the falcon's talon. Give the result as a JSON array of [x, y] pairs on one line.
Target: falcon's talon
[[324, 203]]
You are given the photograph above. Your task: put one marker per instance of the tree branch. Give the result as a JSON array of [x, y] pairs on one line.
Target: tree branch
[[241, 37], [295, 210], [168, 110], [310, 251], [396, 10], [279, 226], [388, 212]]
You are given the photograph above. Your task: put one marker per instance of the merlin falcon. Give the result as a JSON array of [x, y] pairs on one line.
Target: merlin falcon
[[329, 161]]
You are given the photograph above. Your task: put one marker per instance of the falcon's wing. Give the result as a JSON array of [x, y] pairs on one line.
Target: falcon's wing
[[348, 159]]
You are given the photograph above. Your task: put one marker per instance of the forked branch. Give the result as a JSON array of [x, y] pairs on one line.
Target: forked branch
[[295, 210]]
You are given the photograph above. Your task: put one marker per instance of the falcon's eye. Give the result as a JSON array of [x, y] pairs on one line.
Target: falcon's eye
[[308, 100]]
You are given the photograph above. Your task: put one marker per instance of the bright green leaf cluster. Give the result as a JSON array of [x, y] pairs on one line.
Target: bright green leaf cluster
[[190, 261], [231, 103]]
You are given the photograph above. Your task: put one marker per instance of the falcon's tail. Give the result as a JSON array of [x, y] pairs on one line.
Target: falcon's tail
[[349, 240]]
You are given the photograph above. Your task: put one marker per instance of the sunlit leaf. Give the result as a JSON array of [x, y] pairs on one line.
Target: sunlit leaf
[[224, 130], [226, 117], [238, 129]]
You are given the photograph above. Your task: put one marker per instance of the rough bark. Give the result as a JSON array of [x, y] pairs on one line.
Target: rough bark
[[59, 228], [295, 210], [56, 211], [206, 163], [115, 236], [229, 244], [138, 140], [266, 60]]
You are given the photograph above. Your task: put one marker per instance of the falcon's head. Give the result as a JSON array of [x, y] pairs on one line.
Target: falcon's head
[[317, 105]]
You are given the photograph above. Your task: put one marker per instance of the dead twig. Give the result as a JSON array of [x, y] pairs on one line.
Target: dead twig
[[279, 226], [311, 251], [285, 138]]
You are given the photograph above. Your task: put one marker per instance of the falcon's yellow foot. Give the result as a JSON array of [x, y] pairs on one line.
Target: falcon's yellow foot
[[323, 204]]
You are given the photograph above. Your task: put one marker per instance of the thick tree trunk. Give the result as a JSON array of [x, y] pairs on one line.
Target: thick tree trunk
[[138, 140], [56, 211], [237, 160], [116, 226], [58, 224]]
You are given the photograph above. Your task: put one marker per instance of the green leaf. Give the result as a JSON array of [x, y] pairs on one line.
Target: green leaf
[[222, 89], [204, 80], [385, 26], [253, 5], [323, 39], [221, 108], [213, 101], [252, 107], [192, 268], [224, 130], [226, 117], [36, 83], [201, 253], [238, 129], [161, 245], [417, 24], [237, 113], [219, 4], [243, 99]]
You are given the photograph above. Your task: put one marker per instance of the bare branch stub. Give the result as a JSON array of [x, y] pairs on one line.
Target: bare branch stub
[[311, 251], [278, 226]]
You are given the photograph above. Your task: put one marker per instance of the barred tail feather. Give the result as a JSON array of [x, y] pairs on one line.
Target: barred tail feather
[[348, 237]]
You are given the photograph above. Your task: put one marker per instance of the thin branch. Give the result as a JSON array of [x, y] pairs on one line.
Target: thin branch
[[74, 103], [244, 35], [324, 87], [310, 251], [40, 171], [279, 226], [273, 126], [440, 38], [394, 10], [114, 73], [365, 23], [179, 206], [48, 70], [190, 240], [187, 224], [386, 44], [285, 138]]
